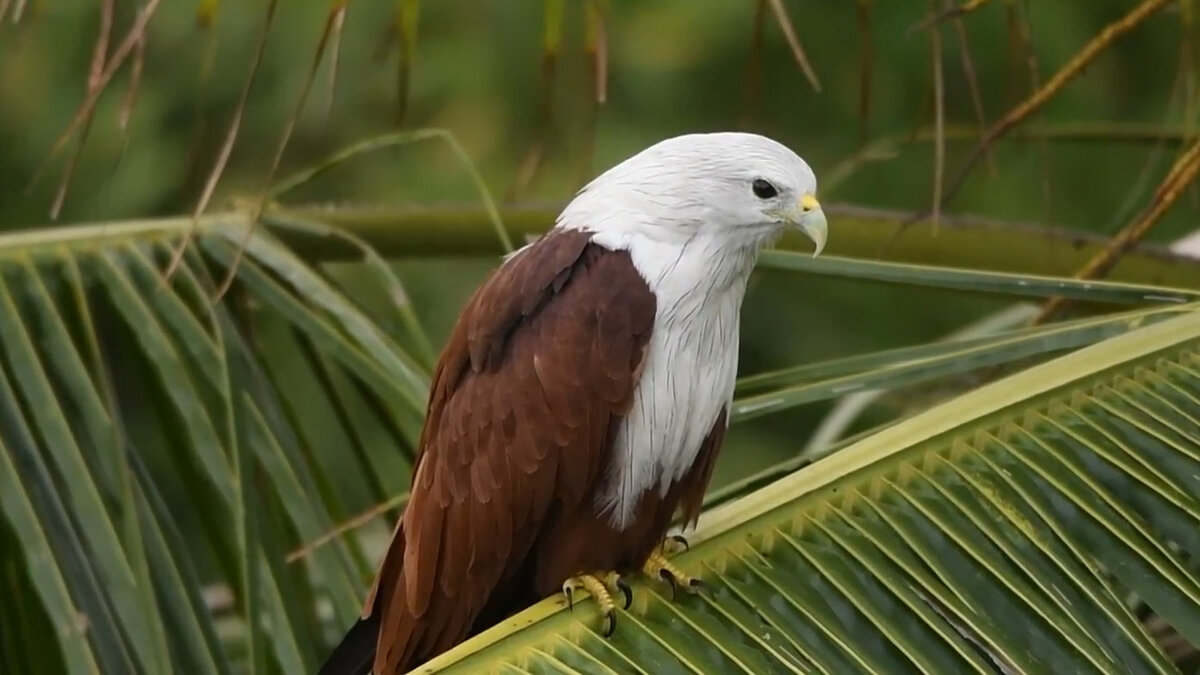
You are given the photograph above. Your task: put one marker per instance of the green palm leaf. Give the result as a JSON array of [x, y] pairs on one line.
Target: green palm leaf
[[998, 532], [162, 458], [139, 416]]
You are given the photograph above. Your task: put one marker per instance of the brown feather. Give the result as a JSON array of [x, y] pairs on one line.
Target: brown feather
[[582, 540], [524, 400]]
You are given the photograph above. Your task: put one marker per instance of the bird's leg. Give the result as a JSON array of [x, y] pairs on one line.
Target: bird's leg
[[598, 584], [658, 566]]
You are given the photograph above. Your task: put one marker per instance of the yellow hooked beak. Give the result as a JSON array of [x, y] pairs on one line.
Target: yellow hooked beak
[[811, 220]]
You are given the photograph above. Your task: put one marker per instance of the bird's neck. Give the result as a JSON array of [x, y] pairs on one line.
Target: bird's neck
[[688, 271], [690, 366]]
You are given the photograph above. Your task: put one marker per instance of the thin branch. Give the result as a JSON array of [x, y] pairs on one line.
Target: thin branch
[[1188, 70], [288, 129], [135, 82], [1140, 185], [1188, 57], [889, 147], [1043, 95], [968, 66], [392, 140], [226, 147], [347, 525], [95, 73], [1178, 179], [60, 195], [596, 53], [135, 34], [100, 50], [956, 12], [531, 164], [866, 63], [1025, 29], [408, 13], [754, 65], [596, 44], [789, 33], [206, 13], [939, 119], [335, 57]]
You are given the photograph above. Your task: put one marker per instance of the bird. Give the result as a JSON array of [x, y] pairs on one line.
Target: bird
[[580, 401]]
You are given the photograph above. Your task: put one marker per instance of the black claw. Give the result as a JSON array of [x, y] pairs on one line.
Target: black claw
[[610, 623], [670, 579], [570, 600], [626, 591], [680, 539]]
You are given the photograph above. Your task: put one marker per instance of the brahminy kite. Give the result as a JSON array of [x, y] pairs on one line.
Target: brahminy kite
[[582, 397]]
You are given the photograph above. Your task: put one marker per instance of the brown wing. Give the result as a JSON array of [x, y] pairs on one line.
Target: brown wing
[[577, 540], [542, 361]]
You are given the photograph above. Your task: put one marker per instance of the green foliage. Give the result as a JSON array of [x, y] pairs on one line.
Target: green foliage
[[202, 486], [159, 448], [155, 442], [999, 532]]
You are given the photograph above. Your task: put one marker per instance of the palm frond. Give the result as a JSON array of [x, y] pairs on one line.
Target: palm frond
[[138, 415], [999, 531], [142, 420]]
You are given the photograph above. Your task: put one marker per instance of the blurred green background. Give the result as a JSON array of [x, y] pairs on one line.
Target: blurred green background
[[674, 66]]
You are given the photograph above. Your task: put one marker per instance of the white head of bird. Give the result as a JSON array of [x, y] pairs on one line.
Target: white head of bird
[[693, 212], [740, 189]]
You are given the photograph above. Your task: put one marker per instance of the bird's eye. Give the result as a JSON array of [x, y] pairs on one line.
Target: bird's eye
[[763, 189]]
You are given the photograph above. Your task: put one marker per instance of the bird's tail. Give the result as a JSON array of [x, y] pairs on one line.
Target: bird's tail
[[356, 652], [392, 639]]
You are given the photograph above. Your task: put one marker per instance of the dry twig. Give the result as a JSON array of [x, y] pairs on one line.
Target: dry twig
[[955, 11], [407, 15], [596, 52], [340, 10], [18, 11], [94, 82], [135, 82], [1046, 92], [330, 25], [789, 33], [939, 119], [596, 44], [84, 113], [968, 66], [347, 525], [531, 164], [214, 175], [754, 65], [1181, 175], [865, 65]]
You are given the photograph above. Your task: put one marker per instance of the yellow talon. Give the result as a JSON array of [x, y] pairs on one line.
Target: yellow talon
[[598, 585], [657, 565]]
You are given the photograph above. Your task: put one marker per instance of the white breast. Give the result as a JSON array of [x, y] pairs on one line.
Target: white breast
[[690, 368]]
